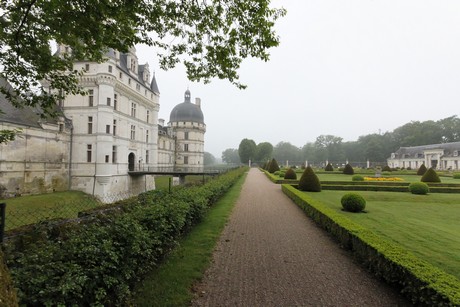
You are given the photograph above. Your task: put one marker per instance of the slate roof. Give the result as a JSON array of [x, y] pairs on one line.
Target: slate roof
[[26, 116], [187, 112], [417, 151], [153, 86]]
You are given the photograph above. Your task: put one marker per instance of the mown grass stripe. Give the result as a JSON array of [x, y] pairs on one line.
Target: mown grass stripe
[[171, 283]]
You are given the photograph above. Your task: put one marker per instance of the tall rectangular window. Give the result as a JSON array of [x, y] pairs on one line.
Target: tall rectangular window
[[114, 154], [185, 160], [133, 109], [91, 98], [107, 158], [121, 75], [185, 147], [109, 101], [186, 135], [90, 124], [115, 101], [148, 116], [114, 129], [89, 151], [146, 136], [87, 67], [133, 132], [146, 156], [107, 129], [110, 68]]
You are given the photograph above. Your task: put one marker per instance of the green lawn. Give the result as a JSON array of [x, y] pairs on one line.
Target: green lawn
[[407, 178], [26, 210], [427, 225]]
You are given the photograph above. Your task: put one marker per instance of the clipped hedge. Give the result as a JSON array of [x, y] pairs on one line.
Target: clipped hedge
[[97, 262], [273, 166], [290, 174], [430, 176], [419, 188], [420, 281], [348, 170]]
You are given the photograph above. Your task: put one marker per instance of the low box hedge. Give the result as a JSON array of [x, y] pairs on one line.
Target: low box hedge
[[97, 260], [421, 282]]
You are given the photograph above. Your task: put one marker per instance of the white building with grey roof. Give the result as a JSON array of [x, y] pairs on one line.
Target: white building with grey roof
[[105, 142], [439, 156]]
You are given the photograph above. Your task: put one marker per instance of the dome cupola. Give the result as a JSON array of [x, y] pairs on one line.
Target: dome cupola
[[187, 111]]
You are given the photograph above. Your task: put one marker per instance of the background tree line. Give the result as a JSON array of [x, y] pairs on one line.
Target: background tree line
[[373, 147]]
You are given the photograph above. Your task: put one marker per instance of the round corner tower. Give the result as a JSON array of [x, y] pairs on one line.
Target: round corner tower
[[187, 121]]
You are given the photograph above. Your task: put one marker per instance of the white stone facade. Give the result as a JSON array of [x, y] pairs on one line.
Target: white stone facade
[[106, 141], [439, 156]]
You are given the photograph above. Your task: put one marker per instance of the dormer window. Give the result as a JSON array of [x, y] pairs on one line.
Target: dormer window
[[455, 153]]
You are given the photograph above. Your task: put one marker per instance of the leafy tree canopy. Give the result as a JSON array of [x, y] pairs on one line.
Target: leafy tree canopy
[[230, 155], [209, 158], [247, 150], [264, 152], [211, 38]]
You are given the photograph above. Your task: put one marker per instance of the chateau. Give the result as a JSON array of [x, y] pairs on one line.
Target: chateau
[[104, 143], [439, 156]]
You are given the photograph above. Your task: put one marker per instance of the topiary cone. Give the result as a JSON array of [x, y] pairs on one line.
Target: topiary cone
[[309, 181]]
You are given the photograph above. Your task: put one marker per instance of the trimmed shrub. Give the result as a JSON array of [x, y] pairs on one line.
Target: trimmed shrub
[[430, 176], [348, 170], [282, 174], [273, 166], [421, 170], [309, 181], [357, 178], [353, 202], [419, 188], [277, 173], [329, 168], [456, 176], [386, 168], [290, 174]]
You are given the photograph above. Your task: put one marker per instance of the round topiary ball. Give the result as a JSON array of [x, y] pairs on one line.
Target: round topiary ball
[[357, 178], [309, 181], [419, 188], [353, 202], [430, 176], [290, 174]]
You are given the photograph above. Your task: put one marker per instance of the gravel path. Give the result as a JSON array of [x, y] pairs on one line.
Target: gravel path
[[271, 254]]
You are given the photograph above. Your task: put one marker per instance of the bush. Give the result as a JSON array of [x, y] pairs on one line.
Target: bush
[[309, 181], [456, 176], [348, 170], [282, 174], [273, 166], [97, 261], [357, 178], [353, 202], [290, 174], [421, 170], [277, 173], [386, 168], [419, 188], [329, 168], [430, 176]]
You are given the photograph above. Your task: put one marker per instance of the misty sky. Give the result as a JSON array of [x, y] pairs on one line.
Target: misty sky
[[346, 68]]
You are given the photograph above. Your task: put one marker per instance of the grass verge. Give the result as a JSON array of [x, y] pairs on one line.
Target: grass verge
[[426, 225], [171, 283]]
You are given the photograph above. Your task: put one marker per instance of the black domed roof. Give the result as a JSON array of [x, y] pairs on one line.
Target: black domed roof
[[187, 111]]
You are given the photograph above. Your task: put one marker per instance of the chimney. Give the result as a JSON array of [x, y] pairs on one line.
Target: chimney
[[198, 102], [161, 122]]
